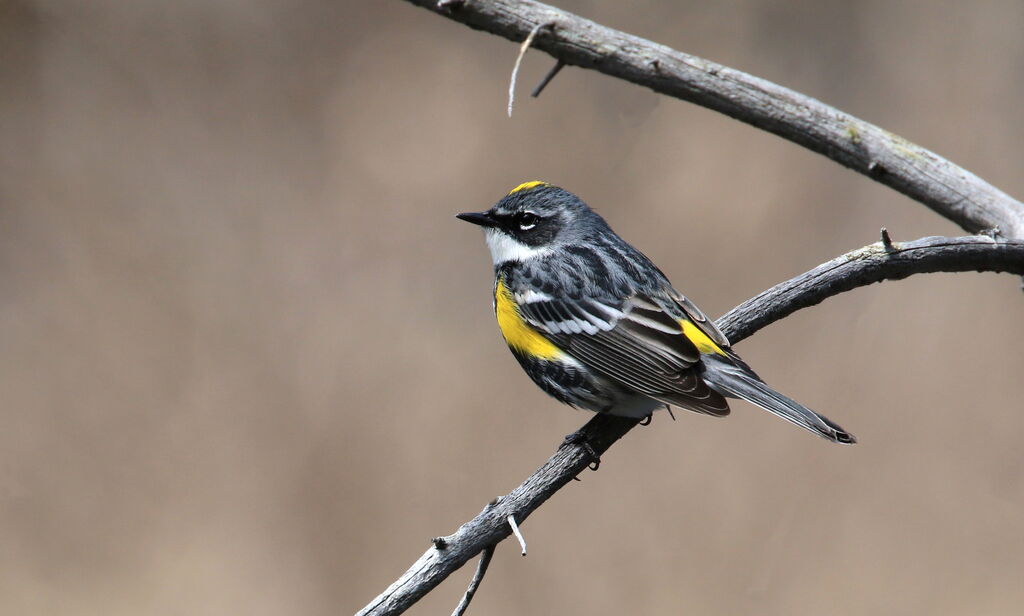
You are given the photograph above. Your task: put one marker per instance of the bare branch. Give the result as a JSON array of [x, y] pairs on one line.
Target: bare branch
[[874, 263], [481, 569], [491, 526], [920, 174], [870, 264]]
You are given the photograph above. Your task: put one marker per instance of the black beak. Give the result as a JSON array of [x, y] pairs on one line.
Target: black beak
[[478, 218]]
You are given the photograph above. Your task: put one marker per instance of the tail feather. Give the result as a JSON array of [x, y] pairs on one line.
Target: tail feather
[[737, 381]]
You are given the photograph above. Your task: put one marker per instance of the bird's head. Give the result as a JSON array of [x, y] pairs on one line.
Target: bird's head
[[534, 219]]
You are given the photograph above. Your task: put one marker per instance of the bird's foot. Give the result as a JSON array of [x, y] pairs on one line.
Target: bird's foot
[[579, 438]]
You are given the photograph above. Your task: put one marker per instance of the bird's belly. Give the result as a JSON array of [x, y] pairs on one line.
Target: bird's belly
[[636, 406], [572, 383]]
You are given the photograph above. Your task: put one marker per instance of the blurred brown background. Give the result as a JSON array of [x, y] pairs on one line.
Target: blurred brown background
[[248, 362]]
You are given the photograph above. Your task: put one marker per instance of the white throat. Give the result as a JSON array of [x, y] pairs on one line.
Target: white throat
[[505, 248]]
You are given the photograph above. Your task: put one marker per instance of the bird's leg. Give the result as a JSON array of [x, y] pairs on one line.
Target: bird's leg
[[670, 413], [579, 438], [646, 421]]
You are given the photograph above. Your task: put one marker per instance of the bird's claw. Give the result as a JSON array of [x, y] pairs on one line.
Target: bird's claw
[[579, 438]]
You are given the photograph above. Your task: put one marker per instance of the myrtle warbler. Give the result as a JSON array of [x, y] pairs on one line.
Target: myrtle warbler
[[597, 326]]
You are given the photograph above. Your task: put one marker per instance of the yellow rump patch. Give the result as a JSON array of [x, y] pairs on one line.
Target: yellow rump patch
[[699, 339], [527, 186], [518, 335]]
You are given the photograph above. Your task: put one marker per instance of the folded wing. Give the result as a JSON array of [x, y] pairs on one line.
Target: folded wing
[[634, 342]]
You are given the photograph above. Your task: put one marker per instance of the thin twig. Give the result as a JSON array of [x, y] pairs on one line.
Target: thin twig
[[886, 240], [858, 268], [519, 60], [515, 531], [481, 569], [559, 65]]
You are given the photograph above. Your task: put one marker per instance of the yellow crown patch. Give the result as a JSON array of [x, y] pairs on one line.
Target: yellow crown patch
[[527, 186]]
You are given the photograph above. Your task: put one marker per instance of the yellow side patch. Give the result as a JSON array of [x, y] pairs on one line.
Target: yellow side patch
[[517, 333], [527, 186], [699, 338]]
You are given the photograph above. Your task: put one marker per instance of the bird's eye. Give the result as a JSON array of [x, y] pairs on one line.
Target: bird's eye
[[526, 220]]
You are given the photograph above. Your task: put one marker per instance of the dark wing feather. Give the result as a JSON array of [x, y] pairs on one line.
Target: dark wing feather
[[699, 319], [635, 343]]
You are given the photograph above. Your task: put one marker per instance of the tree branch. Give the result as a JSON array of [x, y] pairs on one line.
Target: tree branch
[[474, 584], [873, 263], [861, 267], [950, 190]]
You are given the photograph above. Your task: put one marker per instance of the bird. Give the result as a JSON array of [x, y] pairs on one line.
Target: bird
[[598, 326]]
